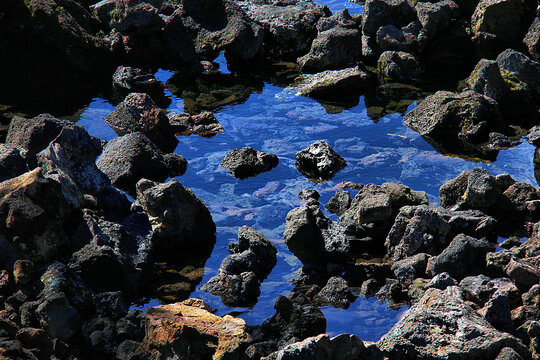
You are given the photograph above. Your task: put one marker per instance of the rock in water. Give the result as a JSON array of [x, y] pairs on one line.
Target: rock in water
[[333, 84], [319, 161], [442, 326], [139, 113], [190, 330], [245, 162]]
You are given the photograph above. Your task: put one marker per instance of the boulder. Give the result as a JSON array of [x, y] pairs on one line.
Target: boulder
[[442, 281], [12, 162], [333, 84], [463, 256], [190, 327], [33, 135], [203, 124], [378, 13], [532, 39], [129, 158], [245, 162], [411, 267], [335, 46], [139, 113], [502, 18], [436, 17], [429, 229], [479, 289], [336, 292], [319, 161], [524, 273], [339, 203], [130, 78], [399, 66], [486, 79], [519, 72], [180, 221], [127, 16], [436, 319]]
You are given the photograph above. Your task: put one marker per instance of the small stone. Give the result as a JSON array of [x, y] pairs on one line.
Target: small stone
[[319, 161], [246, 162], [22, 271]]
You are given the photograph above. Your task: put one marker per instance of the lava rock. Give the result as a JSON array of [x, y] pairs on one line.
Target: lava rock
[[246, 162], [502, 18], [436, 17], [203, 124], [532, 39], [486, 79], [12, 162], [336, 292], [399, 66], [333, 84], [442, 281], [378, 13], [319, 161], [139, 113], [339, 203], [130, 78]]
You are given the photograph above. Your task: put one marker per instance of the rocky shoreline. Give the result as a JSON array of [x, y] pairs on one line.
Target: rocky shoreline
[[89, 227]]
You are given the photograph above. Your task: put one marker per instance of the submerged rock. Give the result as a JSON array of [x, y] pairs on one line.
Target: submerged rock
[[319, 161], [190, 327], [436, 319], [129, 78], [203, 124], [139, 113], [245, 162], [333, 84]]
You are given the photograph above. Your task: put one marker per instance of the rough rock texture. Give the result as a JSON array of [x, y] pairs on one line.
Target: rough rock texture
[[129, 158], [319, 161], [502, 18], [241, 273], [486, 79], [532, 39], [203, 124], [333, 84], [436, 17], [339, 203], [245, 162], [428, 229], [180, 220], [189, 328], [442, 326], [129, 78], [12, 162], [399, 66], [456, 122], [139, 113], [378, 13], [336, 292]]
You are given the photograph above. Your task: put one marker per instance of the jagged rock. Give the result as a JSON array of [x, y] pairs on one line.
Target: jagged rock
[[126, 16], [532, 39], [110, 304], [399, 66], [442, 281], [501, 18], [245, 162], [34, 213], [241, 273], [289, 27], [497, 311], [378, 13], [12, 162], [333, 84], [455, 121], [434, 320], [334, 47], [180, 220], [139, 113], [34, 135], [339, 203], [430, 229], [524, 273], [463, 256], [309, 195], [336, 292], [508, 354], [479, 289], [129, 158], [486, 79], [190, 328], [436, 17], [129, 78], [70, 160], [520, 72], [534, 136], [319, 161], [203, 124], [372, 204], [411, 267]]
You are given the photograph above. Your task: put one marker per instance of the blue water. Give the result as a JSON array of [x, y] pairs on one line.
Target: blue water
[[279, 121]]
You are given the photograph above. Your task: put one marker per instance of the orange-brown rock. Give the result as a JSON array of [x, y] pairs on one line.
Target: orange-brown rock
[[188, 330]]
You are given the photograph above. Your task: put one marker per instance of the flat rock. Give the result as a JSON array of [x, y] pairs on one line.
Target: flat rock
[[332, 84], [203, 124]]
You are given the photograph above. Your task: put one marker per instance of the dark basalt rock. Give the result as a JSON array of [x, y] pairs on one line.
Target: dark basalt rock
[[12, 162], [203, 124], [319, 161], [336, 292], [129, 158], [130, 78], [532, 39], [336, 85], [139, 113], [245, 162], [399, 66], [339, 203]]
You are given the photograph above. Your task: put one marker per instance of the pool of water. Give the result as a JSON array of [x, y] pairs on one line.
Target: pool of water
[[275, 119]]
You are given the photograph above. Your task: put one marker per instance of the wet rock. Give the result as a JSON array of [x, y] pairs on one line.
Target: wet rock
[[33, 212], [436, 17], [441, 281], [70, 160], [323, 347], [498, 17], [339, 203], [534, 136], [334, 47], [319, 161], [180, 220], [130, 78], [242, 272], [463, 256], [34, 135], [430, 229], [203, 124], [500, 141], [12, 162], [309, 195], [372, 204], [129, 158], [532, 39], [391, 292], [190, 328], [22, 271], [296, 319], [455, 121], [399, 66], [435, 320], [289, 27], [245, 162], [333, 84], [336, 292], [139, 113]]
